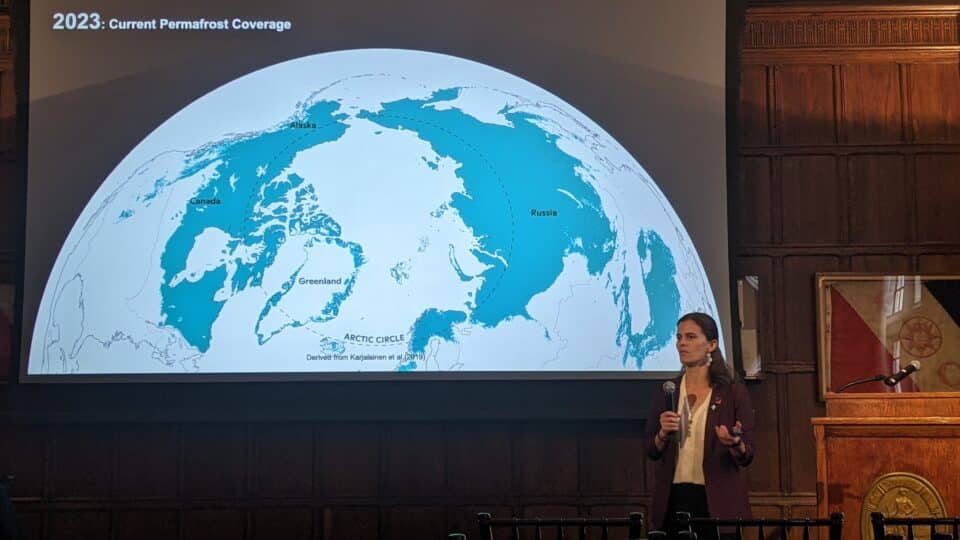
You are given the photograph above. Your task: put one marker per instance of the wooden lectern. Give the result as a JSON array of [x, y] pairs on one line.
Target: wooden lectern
[[896, 453]]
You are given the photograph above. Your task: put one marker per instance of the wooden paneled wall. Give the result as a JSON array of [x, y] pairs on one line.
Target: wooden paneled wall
[[850, 160], [299, 480]]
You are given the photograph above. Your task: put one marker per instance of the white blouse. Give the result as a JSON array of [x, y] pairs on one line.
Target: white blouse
[[693, 424]]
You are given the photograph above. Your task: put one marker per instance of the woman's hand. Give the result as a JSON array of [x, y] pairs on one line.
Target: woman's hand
[[729, 439], [669, 423]]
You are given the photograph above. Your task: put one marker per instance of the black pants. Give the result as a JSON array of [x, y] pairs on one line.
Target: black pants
[[690, 498]]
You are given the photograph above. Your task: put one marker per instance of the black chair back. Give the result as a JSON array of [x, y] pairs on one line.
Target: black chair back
[[560, 528], [880, 523], [688, 525]]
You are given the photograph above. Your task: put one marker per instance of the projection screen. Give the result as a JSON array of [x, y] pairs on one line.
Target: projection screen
[[369, 188]]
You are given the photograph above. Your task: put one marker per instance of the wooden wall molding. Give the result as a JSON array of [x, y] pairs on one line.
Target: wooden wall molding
[[903, 55], [32, 504], [848, 250], [901, 148], [851, 34], [758, 498], [851, 28], [780, 366]]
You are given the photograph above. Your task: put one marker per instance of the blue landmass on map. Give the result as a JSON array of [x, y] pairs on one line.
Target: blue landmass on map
[[433, 323], [246, 170], [523, 200], [663, 297], [456, 265]]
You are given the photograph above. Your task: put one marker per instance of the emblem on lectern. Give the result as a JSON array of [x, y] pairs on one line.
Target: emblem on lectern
[[902, 495]]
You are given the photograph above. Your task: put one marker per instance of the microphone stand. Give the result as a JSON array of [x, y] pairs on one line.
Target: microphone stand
[[875, 378]]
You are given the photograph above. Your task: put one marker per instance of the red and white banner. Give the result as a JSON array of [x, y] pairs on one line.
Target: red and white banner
[[880, 326]]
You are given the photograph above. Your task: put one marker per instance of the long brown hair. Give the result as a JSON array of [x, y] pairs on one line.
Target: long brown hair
[[718, 372]]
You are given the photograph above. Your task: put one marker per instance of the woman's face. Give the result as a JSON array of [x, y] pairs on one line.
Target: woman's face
[[692, 344]]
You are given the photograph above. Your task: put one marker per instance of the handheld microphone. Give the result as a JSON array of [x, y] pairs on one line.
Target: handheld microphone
[[904, 372], [668, 389]]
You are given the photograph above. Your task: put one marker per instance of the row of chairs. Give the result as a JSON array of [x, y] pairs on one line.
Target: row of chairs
[[884, 528], [934, 527]]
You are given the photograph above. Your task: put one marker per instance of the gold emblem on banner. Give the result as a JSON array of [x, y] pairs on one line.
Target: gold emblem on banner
[[901, 495]]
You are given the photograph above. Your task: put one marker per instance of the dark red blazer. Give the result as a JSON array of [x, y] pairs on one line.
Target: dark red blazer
[[724, 476]]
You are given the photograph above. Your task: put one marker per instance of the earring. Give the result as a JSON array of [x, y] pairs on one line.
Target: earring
[[709, 358]]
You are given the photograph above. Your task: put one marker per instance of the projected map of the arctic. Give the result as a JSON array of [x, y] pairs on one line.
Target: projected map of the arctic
[[374, 211]]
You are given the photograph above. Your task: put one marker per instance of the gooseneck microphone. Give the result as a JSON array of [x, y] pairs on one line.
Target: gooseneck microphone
[[904, 372], [668, 389]]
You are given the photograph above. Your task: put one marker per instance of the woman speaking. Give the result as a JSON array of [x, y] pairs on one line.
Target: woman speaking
[[699, 434]]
